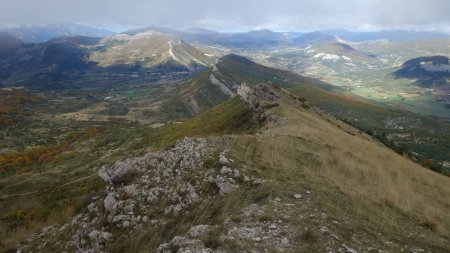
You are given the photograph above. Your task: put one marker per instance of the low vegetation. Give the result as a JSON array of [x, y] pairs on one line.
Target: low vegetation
[[423, 137], [82, 153], [34, 158], [353, 176], [232, 116], [11, 103]]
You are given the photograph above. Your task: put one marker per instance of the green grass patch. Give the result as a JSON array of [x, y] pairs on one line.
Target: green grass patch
[[230, 117]]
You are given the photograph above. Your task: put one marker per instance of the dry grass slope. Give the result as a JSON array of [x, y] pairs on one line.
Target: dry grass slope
[[330, 155], [372, 191]]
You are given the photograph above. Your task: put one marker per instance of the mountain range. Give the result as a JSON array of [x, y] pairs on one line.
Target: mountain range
[[8, 43], [58, 61], [268, 155], [43, 33], [148, 49], [158, 140]]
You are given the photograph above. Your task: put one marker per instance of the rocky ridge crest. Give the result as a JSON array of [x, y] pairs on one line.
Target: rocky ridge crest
[[143, 192]]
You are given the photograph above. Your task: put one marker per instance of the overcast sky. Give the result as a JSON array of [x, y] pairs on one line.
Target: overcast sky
[[233, 15]]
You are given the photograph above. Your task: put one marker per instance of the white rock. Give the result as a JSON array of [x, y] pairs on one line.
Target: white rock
[[349, 249], [324, 230], [257, 182], [194, 196], [297, 196], [46, 229], [176, 210], [99, 238], [198, 230], [224, 184], [223, 160], [64, 227], [119, 218], [103, 173], [92, 207], [109, 203], [130, 189], [225, 170], [168, 210]]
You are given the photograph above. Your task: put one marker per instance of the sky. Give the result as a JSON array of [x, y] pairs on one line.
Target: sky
[[233, 15]]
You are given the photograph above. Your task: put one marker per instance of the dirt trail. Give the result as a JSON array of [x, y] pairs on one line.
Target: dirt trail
[[33, 192]]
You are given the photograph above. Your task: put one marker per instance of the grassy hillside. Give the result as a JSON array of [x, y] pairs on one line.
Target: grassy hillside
[[355, 179], [229, 117], [369, 71], [193, 96], [426, 137], [62, 178], [148, 50], [72, 63], [354, 192], [11, 105]]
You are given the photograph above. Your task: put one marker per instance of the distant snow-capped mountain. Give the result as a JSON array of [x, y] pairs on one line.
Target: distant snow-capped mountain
[[43, 33]]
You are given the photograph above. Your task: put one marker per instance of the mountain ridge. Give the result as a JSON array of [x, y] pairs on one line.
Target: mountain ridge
[[246, 177], [43, 33], [72, 58], [381, 121]]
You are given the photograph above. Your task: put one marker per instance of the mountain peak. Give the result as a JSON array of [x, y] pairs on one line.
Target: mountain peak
[[313, 37], [8, 40], [43, 33], [149, 48], [8, 43], [429, 66]]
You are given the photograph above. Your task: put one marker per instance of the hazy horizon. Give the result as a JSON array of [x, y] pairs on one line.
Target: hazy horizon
[[120, 29], [235, 16]]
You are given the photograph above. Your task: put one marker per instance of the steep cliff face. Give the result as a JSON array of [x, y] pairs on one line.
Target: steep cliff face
[[259, 98], [264, 96]]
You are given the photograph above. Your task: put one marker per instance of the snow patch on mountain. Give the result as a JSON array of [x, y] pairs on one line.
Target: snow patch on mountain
[[327, 57], [319, 55], [346, 58], [340, 40], [435, 67], [331, 57]]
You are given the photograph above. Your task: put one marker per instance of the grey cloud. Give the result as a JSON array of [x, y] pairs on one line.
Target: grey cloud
[[230, 14]]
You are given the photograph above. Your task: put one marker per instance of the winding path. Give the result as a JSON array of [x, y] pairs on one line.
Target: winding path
[[33, 192]]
